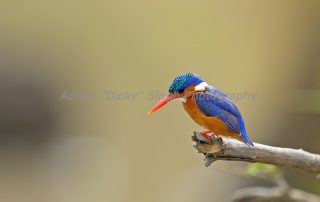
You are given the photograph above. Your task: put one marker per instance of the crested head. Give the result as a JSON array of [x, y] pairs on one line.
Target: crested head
[[183, 81]]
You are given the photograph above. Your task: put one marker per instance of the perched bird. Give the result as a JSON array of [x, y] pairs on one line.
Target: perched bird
[[207, 106]]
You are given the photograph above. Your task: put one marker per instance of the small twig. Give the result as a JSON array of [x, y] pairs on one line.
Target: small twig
[[280, 192], [233, 150], [255, 194]]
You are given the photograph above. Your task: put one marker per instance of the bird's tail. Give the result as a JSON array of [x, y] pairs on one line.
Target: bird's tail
[[244, 136]]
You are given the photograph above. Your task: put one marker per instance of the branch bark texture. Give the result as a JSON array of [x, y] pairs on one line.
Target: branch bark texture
[[229, 149]]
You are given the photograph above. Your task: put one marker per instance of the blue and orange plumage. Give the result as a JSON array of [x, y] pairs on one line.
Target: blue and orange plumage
[[207, 106]]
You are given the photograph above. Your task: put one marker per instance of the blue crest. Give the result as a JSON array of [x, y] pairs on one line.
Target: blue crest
[[183, 81]]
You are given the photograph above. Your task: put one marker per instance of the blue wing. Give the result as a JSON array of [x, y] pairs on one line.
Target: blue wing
[[213, 102]]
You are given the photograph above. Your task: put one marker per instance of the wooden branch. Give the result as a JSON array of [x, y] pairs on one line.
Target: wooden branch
[[229, 149], [282, 191], [254, 194]]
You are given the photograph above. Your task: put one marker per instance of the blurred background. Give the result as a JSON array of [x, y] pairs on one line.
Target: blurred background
[[77, 78]]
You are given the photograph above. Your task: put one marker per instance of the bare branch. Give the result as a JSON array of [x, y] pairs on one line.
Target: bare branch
[[255, 194], [233, 150], [280, 192]]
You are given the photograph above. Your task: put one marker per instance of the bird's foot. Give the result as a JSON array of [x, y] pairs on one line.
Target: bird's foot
[[206, 137], [208, 134], [217, 138]]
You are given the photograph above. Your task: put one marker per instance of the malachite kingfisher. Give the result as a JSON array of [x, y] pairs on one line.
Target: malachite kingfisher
[[207, 106]]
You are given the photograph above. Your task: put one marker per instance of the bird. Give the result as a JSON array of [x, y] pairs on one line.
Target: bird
[[207, 106]]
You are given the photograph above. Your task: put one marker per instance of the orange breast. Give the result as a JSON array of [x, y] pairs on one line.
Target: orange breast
[[213, 124]]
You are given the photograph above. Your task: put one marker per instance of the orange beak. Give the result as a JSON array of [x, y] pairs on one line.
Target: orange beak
[[163, 102]]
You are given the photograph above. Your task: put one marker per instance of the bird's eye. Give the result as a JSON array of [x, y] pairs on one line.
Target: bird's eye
[[180, 91]]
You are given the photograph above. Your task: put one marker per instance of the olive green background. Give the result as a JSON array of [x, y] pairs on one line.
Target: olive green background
[[69, 133]]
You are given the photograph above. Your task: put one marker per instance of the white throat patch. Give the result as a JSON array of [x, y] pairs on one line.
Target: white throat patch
[[201, 86], [183, 99]]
